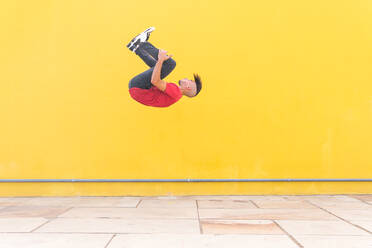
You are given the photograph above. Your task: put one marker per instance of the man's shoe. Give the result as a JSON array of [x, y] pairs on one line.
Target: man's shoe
[[142, 37]]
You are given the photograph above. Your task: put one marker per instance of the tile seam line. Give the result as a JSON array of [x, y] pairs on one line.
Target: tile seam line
[[139, 202], [64, 212], [197, 209], [254, 204], [33, 230], [49, 220], [344, 220], [366, 202], [288, 234], [108, 243]]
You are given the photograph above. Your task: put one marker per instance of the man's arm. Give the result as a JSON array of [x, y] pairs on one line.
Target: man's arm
[[155, 77]]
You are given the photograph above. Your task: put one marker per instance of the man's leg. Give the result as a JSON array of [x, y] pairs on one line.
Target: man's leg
[[149, 54], [142, 80]]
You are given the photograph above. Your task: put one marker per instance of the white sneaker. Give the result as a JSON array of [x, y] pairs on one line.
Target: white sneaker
[[142, 37]]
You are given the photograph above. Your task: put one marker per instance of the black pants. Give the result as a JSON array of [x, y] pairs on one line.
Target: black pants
[[149, 54]]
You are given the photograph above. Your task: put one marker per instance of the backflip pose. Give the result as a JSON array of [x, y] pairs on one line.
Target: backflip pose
[[148, 87]]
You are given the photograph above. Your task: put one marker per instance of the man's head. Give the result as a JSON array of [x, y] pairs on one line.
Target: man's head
[[189, 87]]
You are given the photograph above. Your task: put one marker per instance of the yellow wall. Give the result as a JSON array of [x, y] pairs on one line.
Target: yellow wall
[[287, 94]]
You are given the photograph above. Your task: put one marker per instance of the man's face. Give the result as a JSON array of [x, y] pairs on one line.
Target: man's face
[[188, 86]]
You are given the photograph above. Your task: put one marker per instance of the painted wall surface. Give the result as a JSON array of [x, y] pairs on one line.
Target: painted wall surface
[[287, 93]]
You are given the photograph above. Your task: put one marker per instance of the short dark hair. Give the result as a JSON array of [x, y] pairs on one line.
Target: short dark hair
[[198, 83]]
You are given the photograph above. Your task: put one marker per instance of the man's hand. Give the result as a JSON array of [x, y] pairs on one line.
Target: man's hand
[[162, 56]]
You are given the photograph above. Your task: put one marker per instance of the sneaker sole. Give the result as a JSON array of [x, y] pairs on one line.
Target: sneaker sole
[[147, 31]]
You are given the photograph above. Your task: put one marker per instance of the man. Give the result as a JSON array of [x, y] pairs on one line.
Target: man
[[148, 87]]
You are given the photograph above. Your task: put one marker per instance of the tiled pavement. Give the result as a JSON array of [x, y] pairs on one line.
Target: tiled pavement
[[190, 221]]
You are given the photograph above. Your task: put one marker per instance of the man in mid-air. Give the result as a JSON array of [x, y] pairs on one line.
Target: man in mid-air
[[148, 87]]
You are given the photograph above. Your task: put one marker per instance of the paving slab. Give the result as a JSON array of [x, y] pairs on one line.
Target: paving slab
[[165, 203], [343, 205], [318, 241], [127, 202], [240, 227], [320, 228], [236, 197], [284, 204], [32, 211], [107, 202], [202, 241], [14, 201], [364, 224], [225, 204], [51, 201], [97, 225], [20, 224], [367, 198], [355, 214], [48, 240], [326, 198], [85, 201], [132, 213], [265, 214], [187, 221]]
